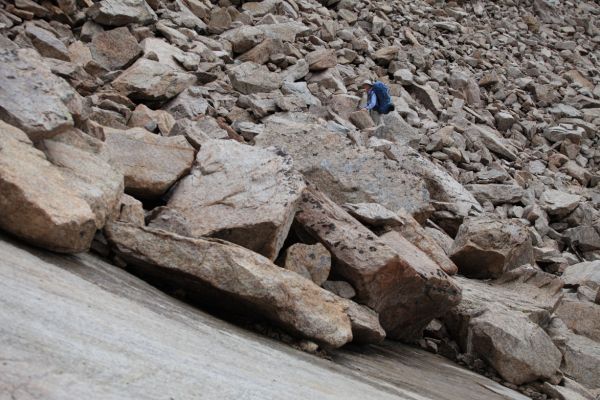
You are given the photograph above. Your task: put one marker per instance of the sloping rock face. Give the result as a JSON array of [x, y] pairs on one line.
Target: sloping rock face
[[38, 203], [347, 174], [404, 286], [150, 163], [486, 247], [78, 297], [31, 97], [241, 194], [236, 275]]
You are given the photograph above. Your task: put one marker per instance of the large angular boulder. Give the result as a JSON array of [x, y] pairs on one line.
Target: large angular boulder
[[377, 216], [122, 12], [496, 194], [321, 59], [486, 247], [114, 49], [37, 202], [249, 78], [152, 81], [346, 173], [503, 323], [580, 316], [581, 355], [559, 204], [448, 194], [405, 287], [87, 174], [150, 163], [519, 350], [32, 98], [46, 43], [232, 276], [584, 275], [242, 194]]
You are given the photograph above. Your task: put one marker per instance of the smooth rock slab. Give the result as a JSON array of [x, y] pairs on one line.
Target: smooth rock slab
[[43, 112], [232, 274], [405, 287], [122, 12], [242, 194], [149, 162], [37, 203], [487, 247], [83, 327], [152, 81]]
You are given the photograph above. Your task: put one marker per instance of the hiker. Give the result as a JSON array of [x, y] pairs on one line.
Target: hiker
[[378, 99]]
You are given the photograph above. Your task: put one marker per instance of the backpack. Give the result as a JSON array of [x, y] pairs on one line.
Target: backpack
[[384, 101]]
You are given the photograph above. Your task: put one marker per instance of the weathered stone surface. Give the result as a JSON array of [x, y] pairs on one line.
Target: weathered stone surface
[[559, 203], [582, 317], [405, 287], [340, 288], [517, 348], [42, 108], [150, 80], [238, 276], [347, 174], [151, 120], [89, 176], [492, 140], [150, 163], [251, 78], [496, 193], [494, 319], [261, 53], [321, 59], [46, 43], [582, 360], [584, 274], [378, 216], [129, 210], [310, 261], [121, 12], [114, 49], [78, 297], [36, 200], [447, 192], [487, 247], [244, 38], [242, 194]]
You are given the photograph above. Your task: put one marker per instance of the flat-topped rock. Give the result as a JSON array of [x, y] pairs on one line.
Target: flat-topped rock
[[243, 194]]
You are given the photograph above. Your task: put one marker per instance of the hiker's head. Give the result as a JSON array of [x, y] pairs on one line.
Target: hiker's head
[[366, 85]]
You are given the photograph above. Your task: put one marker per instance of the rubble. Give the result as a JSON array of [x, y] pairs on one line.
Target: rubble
[[214, 117]]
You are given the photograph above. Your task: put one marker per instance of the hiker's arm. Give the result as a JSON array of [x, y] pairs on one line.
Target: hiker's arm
[[372, 101]]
